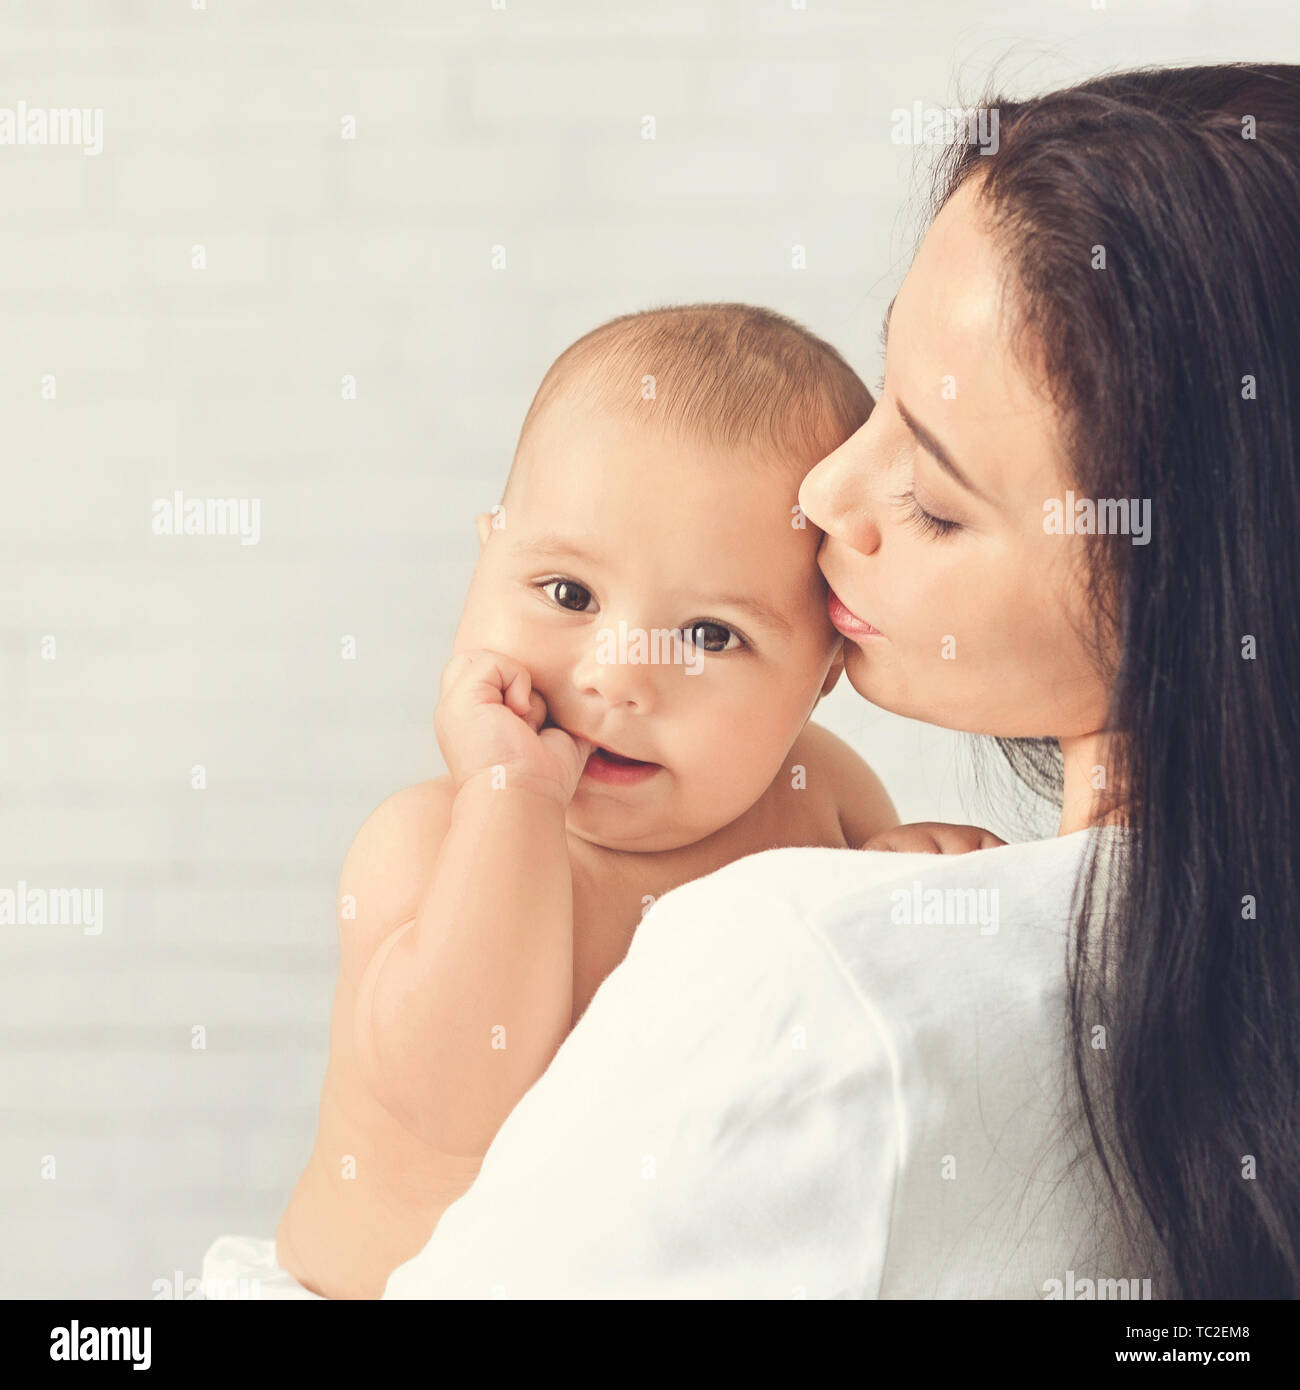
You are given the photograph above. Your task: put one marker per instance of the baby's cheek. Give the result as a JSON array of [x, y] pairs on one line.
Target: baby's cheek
[[725, 777]]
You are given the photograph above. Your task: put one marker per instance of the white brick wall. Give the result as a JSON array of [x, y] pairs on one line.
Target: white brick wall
[[370, 258]]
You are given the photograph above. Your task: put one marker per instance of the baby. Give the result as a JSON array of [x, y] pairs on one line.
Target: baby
[[627, 708]]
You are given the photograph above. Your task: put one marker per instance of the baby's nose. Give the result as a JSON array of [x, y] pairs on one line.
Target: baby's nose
[[621, 670]]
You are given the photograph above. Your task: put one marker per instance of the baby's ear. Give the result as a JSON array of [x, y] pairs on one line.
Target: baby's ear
[[483, 525], [836, 671]]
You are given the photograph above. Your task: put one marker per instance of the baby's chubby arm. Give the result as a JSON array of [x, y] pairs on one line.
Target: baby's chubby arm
[[455, 921], [462, 1008]]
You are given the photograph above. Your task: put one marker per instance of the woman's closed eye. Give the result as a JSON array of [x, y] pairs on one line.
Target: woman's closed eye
[[925, 521]]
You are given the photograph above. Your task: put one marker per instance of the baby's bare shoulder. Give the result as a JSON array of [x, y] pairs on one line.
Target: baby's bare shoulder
[[848, 781]]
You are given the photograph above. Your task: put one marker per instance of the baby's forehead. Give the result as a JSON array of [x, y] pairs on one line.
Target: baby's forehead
[[763, 561], [709, 517], [601, 486], [587, 428], [615, 469]]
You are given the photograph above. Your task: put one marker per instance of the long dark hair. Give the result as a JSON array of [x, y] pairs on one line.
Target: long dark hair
[[1177, 370]]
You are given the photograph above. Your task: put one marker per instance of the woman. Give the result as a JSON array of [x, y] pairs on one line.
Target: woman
[[1069, 523]]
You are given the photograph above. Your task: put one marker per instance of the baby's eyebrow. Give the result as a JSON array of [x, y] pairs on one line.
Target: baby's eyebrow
[[757, 608], [552, 543]]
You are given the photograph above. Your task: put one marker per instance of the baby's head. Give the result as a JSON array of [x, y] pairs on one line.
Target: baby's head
[[654, 493]]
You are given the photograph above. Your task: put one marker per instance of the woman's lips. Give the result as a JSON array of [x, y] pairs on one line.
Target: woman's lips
[[611, 768], [848, 622]]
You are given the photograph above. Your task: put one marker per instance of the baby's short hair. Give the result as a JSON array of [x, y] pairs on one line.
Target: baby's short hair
[[731, 375]]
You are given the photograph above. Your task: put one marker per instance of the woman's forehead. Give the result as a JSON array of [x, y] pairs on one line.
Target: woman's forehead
[[958, 358]]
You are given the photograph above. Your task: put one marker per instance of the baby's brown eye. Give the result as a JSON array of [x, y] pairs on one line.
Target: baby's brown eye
[[569, 595], [710, 637]]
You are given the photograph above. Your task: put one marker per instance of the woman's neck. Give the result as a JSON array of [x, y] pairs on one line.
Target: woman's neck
[[1092, 784]]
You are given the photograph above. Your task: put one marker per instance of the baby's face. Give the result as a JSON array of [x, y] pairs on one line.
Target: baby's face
[[612, 539]]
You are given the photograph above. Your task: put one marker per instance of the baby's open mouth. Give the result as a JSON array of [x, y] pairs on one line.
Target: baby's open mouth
[[604, 765], [618, 770], [618, 759]]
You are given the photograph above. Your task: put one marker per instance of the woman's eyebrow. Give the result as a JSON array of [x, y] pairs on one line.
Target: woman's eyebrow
[[941, 456], [924, 438]]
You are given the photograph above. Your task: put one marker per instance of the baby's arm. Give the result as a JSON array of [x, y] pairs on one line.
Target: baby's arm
[[371, 1192], [455, 983], [464, 1005]]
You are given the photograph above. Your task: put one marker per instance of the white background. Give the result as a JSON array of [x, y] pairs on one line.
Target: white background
[[371, 257]]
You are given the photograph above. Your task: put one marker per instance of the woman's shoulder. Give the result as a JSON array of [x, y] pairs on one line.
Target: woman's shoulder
[[931, 994], [737, 1111], [906, 937], [721, 1122], [878, 889]]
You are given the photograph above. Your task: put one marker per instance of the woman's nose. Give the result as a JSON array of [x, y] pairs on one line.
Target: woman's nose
[[837, 497]]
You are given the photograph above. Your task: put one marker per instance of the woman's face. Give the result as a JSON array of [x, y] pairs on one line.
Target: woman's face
[[961, 609]]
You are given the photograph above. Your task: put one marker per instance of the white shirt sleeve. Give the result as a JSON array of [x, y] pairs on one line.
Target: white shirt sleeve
[[723, 1122]]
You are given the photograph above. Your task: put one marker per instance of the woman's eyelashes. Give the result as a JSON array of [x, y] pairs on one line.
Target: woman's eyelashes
[[924, 521], [705, 633]]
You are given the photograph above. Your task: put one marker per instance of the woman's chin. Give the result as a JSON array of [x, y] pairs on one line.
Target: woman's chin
[[863, 672], [878, 683]]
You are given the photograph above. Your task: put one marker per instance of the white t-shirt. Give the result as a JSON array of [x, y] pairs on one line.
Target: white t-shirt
[[818, 1073]]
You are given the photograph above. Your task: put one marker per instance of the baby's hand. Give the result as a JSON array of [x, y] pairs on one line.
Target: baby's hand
[[490, 716], [934, 837]]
